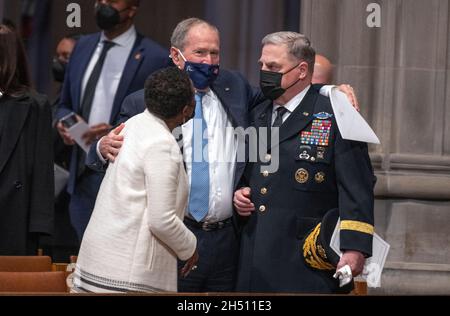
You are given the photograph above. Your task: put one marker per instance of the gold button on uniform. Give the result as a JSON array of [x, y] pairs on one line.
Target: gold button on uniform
[[265, 173], [262, 208], [264, 191]]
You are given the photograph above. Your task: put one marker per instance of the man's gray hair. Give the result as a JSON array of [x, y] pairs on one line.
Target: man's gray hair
[[179, 35], [298, 46]]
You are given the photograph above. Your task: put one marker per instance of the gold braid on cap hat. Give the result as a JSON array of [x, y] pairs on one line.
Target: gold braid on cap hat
[[315, 257]]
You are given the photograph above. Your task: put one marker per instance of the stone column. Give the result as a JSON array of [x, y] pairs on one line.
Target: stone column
[[400, 73], [242, 25]]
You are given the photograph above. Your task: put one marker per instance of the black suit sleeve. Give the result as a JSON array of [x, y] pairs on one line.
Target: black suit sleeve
[[354, 176], [131, 106], [65, 105], [42, 182]]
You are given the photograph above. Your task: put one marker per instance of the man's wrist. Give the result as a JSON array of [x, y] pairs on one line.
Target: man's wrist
[[99, 154]]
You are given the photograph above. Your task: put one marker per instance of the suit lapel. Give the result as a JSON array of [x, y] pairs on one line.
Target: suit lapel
[[300, 118], [230, 103], [16, 114], [263, 120], [264, 117], [131, 67]]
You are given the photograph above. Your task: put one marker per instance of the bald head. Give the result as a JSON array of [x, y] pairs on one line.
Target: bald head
[[323, 70]]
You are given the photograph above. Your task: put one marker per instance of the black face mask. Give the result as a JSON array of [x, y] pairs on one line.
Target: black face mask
[[107, 17], [270, 83], [58, 70]]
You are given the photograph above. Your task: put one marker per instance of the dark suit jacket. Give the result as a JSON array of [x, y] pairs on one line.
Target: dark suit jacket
[[146, 57], [311, 179], [26, 173], [237, 98]]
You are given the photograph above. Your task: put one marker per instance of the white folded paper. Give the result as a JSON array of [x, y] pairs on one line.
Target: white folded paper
[[374, 265], [77, 131], [350, 123]]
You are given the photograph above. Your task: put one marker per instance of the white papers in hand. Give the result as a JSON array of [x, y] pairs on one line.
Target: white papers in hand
[[374, 265], [350, 123], [77, 131]]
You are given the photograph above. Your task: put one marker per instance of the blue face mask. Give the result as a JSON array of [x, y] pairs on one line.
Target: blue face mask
[[202, 75]]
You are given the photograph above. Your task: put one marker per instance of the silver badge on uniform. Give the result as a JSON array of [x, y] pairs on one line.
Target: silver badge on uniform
[[320, 153]]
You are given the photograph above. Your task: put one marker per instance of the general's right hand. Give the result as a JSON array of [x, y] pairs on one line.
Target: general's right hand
[[243, 203], [110, 144], [64, 134]]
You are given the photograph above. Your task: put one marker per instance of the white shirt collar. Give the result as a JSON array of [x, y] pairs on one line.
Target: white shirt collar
[[126, 39], [294, 102]]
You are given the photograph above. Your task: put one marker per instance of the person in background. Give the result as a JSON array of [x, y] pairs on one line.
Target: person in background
[[63, 51], [10, 24], [323, 71], [103, 69], [136, 231], [26, 154], [64, 242]]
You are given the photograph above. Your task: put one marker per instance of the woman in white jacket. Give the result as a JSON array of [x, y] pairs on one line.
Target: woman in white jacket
[[136, 231]]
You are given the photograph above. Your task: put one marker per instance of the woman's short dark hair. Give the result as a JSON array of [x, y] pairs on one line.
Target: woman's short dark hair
[[167, 92], [14, 74]]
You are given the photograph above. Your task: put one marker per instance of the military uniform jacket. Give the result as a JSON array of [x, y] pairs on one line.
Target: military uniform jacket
[[318, 171]]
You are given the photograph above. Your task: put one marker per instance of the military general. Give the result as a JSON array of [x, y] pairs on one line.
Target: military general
[[281, 211]]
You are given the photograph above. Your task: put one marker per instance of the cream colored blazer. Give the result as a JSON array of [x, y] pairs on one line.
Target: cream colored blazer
[[136, 231]]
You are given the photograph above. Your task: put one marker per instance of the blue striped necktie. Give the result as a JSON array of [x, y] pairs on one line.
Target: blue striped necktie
[[199, 194]]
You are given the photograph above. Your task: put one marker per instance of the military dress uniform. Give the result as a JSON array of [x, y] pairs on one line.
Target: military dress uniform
[[318, 171]]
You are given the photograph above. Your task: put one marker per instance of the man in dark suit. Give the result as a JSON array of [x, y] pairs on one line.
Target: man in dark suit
[[104, 68], [223, 101], [317, 171]]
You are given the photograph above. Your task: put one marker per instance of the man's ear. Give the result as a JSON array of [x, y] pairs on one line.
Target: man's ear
[[176, 57], [304, 69], [133, 12]]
